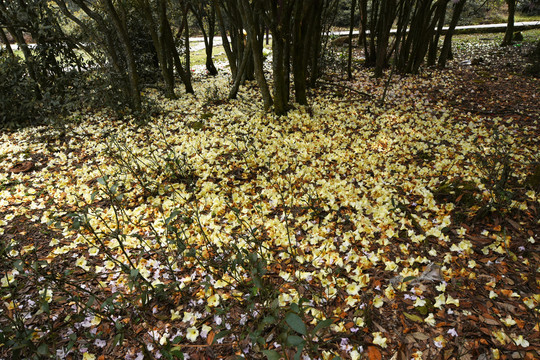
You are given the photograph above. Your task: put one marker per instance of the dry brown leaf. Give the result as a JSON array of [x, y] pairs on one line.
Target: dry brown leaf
[[22, 167], [488, 319], [420, 336], [508, 307], [409, 339], [379, 327], [210, 337], [514, 224], [349, 325], [403, 353], [448, 353], [374, 353], [485, 331]]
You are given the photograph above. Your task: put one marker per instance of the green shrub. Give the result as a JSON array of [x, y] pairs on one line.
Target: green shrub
[[19, 101], [145, 53], [530, 7], [25, 102]]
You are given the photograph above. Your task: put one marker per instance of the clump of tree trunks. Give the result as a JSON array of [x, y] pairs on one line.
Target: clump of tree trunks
[[402, 34]]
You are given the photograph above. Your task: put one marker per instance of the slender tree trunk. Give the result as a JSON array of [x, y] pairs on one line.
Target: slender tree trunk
[[402, 14], [157, 32], [384, 27], [208, 36], [509, 33], [281, 87], [371, 54], [210, 66], [351, 29], [434, 44], [362, 34], [111, 46], [252, 30], [406, 42], [405, 11], [239, 74], [29, 61], [237, 46], [408, 50], [427, 24], [225, 40], [302, 44], [447, 44], [169, 42], [186, 41], [126, 45], [288, 57], [111, 42], [166, 52], [186, 80]]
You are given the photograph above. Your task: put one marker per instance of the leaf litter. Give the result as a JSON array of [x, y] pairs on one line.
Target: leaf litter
[[380, 218]]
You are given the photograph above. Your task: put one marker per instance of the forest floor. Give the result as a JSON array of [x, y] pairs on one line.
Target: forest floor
[[347, 229]]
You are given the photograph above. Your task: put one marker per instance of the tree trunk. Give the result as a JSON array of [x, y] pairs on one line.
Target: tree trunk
[[434, 44], [371, 54], [384, 26], [19, 38], [302, 45], [29, 61], [186, 41], [126, 45], [166, 51], [208, 36], [404, 16], [239, 74], [421, 31], [111, 47], [362, 34], [509, 33], [427, 23], [157, 33], [281, 86], [252, 30], [316, 48], [225, 40], [237, 46], [170, 44], [351, 29], [447, 44], [210, 66]]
